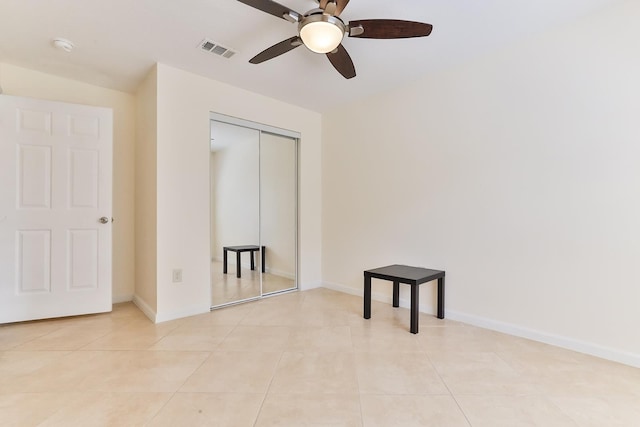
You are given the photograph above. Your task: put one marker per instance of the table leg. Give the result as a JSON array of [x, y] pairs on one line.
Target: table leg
[[441, 298], [262, 260], [238, 264], [224, 260], [367, 296], [414, 308], [396, 294], [253, 263]]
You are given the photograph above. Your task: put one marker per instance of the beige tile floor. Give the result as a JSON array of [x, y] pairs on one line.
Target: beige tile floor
[[227, 288], [300, 359]]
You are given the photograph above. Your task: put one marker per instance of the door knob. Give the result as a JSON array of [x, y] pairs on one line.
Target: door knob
[[104, 220]]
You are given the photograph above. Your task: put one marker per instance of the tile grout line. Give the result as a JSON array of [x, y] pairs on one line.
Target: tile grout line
[[266, 393], [357, 377], [448, 389], [178, 388]]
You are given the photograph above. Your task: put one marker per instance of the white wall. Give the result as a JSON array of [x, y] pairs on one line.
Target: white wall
[[146, 194], [184, 103], [517, 174], [24, 82]]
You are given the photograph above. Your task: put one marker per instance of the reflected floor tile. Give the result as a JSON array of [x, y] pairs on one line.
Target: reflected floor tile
[[408, 411], [238, 372], [226, 288], [513, 411], [310, 410], [275, 283], [209, 409], [107, 409], [318, 373], [397, 373]]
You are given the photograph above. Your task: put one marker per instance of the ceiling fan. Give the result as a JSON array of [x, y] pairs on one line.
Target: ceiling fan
[[321, 30]]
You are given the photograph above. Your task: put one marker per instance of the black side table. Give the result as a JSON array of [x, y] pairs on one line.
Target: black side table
[[413, 276], [238, 250]]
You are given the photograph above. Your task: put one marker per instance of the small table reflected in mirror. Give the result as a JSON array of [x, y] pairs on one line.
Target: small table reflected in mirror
[[239, 250]]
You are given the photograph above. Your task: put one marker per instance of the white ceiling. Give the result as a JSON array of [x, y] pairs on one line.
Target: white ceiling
[[118, 41]]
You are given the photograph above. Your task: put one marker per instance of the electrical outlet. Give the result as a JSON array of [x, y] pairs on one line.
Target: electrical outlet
[[177, 275]]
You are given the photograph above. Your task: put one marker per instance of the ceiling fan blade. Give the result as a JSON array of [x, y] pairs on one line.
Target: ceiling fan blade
[[342, 62], [341, 5], [277, 50], [323, 4], [388, 29], [273, 8]]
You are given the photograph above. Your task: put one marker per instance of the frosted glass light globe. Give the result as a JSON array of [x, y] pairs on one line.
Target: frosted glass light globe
[[321, 33]]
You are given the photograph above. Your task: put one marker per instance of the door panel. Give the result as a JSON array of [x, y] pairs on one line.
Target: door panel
[[33, 254], [55, 185], [83, 259], [34, 177], [83, 181]]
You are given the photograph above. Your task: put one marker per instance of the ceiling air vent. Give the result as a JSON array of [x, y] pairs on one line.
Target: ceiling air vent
[[207, 45]]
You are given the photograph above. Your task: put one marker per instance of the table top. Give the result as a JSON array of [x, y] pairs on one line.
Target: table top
[[243, 248], [405, 274]]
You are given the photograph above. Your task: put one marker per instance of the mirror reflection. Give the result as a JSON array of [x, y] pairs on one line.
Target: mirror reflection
[[278, 211], [253, 213], [235, 212]]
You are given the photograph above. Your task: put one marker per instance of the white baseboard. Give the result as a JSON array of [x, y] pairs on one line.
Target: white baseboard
[[308, 286], [145, 308], [117, 299], [192, 311], [156, 317], [344, 289], [592, 349]]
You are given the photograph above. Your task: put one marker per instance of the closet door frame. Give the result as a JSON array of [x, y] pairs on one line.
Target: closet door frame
[[295, 136]]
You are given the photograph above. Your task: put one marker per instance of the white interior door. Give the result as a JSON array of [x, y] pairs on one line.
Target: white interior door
[[55, 186]]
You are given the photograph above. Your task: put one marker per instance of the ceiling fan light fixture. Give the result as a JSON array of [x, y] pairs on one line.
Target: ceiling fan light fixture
[[321, 33]]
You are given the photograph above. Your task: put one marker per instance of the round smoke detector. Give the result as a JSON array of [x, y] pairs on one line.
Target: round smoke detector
[[63, 44]]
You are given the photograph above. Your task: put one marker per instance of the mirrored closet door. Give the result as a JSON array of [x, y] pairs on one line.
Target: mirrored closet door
[[253, 210]]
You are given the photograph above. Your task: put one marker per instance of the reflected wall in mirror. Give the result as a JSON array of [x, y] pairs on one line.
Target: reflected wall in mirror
[[235, 212], [278, 211], [253, 211]]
